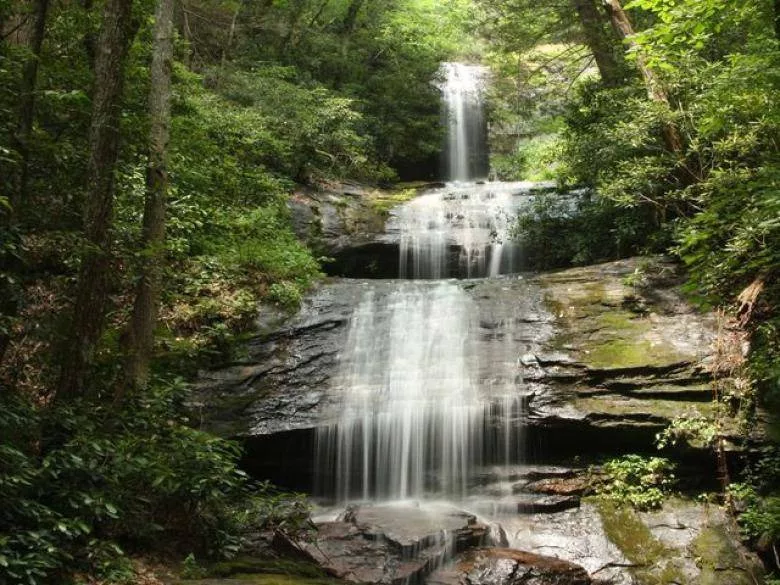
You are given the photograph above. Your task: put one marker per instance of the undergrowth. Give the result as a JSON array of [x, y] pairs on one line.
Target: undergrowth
[[640, 482], [85, 484]]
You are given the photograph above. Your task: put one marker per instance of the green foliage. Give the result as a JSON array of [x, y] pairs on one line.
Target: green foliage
[[757, 501], [525, 102], [577, 228], [261, 239], [303, 131], [108, 480], [191, 569], [692, 429], [641, 482], [285, 294], [736, 237], [384, 57], [532, 160]]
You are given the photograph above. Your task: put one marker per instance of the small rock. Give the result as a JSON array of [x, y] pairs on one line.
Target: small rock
[[558, 486]]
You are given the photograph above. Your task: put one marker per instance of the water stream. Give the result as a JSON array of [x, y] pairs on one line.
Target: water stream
[[416, 418], [466, 147]]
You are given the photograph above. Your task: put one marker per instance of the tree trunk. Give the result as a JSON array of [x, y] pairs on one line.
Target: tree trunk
[[777, 19], [610, 67], [349, 23], [655, 89], [289, 39], [231, 34], [27, 101], [140, 337], [187, 34], [94, 276], [314, 21]]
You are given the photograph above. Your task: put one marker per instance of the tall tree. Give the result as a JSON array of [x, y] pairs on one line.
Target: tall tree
[[140, 335], [94, 275], [610, 65], [777, 18], [27, 98], [231, 34], [655, 88]]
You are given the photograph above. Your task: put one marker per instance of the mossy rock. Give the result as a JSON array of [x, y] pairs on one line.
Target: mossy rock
[[651, 410], [654, 563], [720, 561], [712, 554]]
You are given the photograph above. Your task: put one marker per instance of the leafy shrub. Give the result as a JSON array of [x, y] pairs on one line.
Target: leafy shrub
[[285, 294], [107, 480], [692, 429], [532, 160], [635, 480], [261, 240], [578, 228]]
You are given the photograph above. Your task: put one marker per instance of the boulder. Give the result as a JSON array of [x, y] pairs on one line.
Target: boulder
[[394, 543]]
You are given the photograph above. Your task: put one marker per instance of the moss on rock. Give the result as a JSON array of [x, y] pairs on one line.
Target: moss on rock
[[719, 560], [654, 563]]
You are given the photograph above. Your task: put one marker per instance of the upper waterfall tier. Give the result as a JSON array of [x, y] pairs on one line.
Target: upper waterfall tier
[[466, 148], [462, 230]]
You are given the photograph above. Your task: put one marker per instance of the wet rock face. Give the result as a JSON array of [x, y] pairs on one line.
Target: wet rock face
[[289, 377], [601, 363], [498, 566], [393, 544], [400, 544], [338, 218], [577, 536]]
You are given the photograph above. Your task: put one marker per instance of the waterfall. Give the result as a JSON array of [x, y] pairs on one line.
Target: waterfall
[[412, 406], [466, 148], [413, 420], [418, 413], [461, 231]]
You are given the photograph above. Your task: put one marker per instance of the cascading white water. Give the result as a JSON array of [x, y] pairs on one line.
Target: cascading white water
[[413, 420], [462, 91], [417, 414], [461, 230]]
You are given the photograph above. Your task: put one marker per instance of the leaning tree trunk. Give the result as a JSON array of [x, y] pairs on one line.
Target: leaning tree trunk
[[140, 335], [655, 89], [27, 101], [611, 67], [94, 276]]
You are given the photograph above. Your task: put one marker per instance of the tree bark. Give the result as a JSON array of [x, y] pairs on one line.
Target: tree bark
[[231, 34], [140, 338], [349, 23], [27, 101], [611, 68], [94, 276], [777, 19], [187, 34], [289, 39], [655, 89]]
